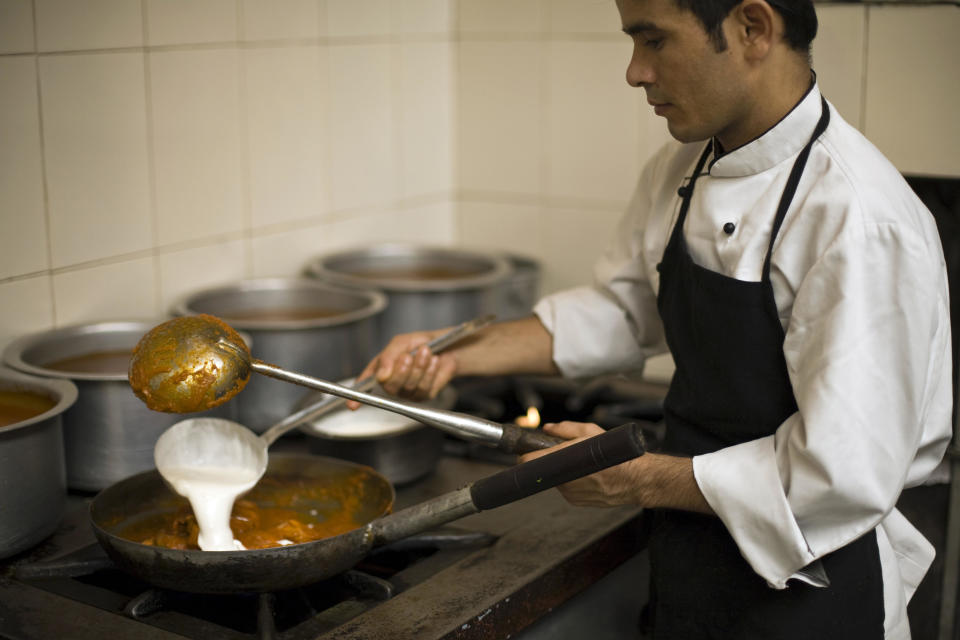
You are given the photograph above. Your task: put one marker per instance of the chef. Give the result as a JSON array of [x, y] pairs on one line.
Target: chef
[[800, 287]]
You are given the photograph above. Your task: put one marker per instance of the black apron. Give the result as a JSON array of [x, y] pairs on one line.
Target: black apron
[[731, 386]]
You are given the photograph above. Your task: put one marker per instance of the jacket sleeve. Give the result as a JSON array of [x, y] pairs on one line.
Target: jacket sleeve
[[868, 353]]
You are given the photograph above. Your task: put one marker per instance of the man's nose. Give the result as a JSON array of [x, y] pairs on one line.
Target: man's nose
[[639, 71]]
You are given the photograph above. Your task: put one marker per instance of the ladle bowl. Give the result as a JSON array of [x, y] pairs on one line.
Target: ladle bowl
[[211, 443], [190, 363]]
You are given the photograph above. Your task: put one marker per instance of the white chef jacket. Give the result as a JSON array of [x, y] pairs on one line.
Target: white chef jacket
[[860, 285]]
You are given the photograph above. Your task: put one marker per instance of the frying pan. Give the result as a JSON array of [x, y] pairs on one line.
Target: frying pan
[[263, 570]]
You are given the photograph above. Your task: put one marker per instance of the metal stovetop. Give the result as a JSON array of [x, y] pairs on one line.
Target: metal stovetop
[[546, 551]]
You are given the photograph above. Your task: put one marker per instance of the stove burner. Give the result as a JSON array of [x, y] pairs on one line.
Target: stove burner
[[89, 576], [608, 402]]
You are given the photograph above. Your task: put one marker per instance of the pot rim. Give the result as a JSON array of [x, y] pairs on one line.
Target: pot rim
[[375, 301], [14, 352], [500, 267], [65, 389]]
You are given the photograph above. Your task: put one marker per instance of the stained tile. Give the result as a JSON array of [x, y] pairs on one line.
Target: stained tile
[[191, 270], [351, 18], [119, 291], [911, 106], [23, 227], [500, 16], [280, 19], [838, 57], [426, 118], [197, 145], [507, 227], [191, 22], [94, 123], [27, 308], [288, 151], [16, 26], [69, 25], [500, 116], [573, 239], [362, 142], [426, 16], [582, 16], [592, 132]]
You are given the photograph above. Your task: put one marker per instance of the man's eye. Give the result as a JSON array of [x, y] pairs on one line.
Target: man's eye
[[653, 43]]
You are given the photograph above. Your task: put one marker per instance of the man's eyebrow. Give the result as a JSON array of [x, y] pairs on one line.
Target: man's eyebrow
[[642, 26]]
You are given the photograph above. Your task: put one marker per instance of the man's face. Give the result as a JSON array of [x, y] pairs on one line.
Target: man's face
[[699, 90]]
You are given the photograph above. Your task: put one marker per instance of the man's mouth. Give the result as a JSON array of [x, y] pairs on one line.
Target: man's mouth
[[660, 108]]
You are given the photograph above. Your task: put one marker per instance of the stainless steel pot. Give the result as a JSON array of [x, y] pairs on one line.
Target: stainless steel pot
[[400, 448], [520, 290], [108, 434], [300, 324], [427, 287], [33, 487]]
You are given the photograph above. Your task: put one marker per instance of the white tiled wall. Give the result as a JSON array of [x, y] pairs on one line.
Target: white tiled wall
[[154, 147], [918, 86]]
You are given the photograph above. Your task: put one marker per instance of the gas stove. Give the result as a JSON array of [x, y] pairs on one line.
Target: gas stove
[[496, 574]]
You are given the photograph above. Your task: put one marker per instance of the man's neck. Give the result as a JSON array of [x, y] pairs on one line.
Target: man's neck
[[777, 96]]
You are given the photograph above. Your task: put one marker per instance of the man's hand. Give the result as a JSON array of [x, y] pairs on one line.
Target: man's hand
[[417, 377], [652, 480], [514, 347]]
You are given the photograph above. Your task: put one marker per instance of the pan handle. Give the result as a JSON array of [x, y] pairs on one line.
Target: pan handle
[[563, 465]]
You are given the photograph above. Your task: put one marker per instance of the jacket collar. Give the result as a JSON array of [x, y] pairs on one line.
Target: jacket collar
[[782, 141]]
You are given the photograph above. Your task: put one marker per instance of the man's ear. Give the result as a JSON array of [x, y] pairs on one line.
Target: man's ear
[[757, 27]]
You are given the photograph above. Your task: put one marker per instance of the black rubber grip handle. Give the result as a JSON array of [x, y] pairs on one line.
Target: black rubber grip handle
[[569, 463], [520, 440]]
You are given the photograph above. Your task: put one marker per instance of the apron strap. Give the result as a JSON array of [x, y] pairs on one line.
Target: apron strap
[[793, 181], [686, 191]]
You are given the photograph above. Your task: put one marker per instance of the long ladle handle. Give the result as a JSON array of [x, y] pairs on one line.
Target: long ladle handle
[[462, 425], [568, 463], [327, 404]]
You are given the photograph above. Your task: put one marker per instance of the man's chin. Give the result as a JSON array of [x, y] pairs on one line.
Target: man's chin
[[684, 134]]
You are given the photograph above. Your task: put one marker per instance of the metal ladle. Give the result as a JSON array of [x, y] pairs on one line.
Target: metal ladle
[[194, 363]]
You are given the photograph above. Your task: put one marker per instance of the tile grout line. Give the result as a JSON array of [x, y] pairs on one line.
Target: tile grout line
[[246, 170], [453, 25], [43, 171], [151, 165], [545, 61], [396, 52]]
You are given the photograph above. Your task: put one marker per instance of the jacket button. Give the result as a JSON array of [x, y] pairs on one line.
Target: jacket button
[[729, 228]]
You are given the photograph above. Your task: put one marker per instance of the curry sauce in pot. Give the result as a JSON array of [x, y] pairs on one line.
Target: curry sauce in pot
[[104, 362], [17, 406]]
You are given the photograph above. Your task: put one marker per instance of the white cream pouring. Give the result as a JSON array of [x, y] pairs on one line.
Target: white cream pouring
[[211, 492], [211, 468]]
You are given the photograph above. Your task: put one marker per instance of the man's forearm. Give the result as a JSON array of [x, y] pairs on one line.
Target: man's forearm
[[514, 347], [673, 485]]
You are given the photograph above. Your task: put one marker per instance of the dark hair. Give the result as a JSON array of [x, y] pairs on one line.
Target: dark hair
[[799, 20]]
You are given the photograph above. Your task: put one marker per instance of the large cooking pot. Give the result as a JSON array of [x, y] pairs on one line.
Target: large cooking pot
[[33, 488], [300, 324], [399, 447], [427, 287], [108, 433], [127, 503], [520, 290]]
